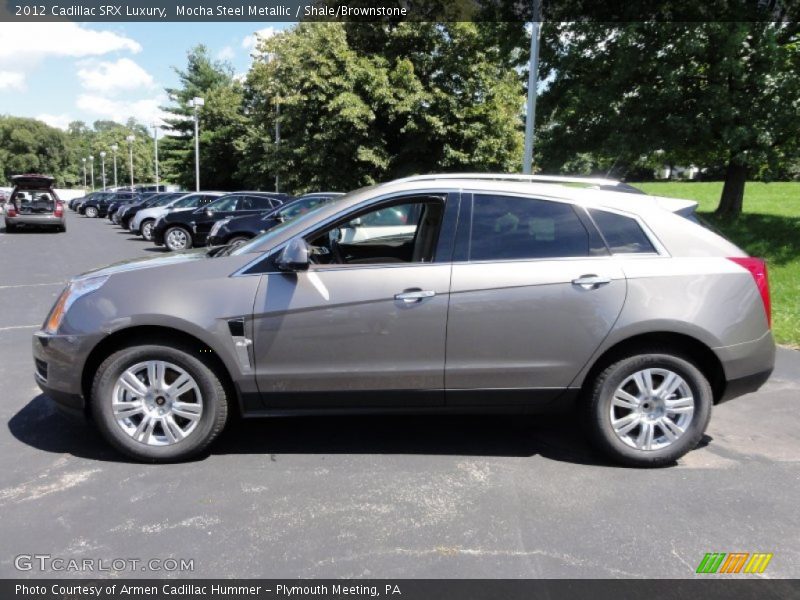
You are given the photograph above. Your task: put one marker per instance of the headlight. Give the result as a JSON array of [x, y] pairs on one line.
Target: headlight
[[217, 226], [75, 290]]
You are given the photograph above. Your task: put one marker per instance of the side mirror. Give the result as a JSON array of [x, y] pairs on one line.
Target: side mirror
[[294, 256]]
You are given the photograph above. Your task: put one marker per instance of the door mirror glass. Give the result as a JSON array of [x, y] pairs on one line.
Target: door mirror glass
[[294, 256]]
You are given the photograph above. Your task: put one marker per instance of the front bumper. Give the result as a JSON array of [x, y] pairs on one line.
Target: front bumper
[[59, 362]]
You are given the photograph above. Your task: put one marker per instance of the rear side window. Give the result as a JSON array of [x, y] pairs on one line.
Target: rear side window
[[256, 203], [507, 228], [623, 234]]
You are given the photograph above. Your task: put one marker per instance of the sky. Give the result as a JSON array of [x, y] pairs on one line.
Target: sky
[[62, 72]]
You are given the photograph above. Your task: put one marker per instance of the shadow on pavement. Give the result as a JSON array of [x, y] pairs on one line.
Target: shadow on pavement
[[40, 425]]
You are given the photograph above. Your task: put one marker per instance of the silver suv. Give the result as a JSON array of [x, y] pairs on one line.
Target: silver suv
[[451, 293]]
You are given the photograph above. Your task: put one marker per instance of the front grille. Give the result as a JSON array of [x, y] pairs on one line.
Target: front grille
[[41, 368]]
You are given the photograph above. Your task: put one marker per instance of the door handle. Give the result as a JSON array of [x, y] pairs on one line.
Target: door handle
[[412, 296], [591, 282]]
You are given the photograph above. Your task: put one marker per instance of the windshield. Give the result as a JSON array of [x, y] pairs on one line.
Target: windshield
[[162, 201], [223, 204], [299, 217]]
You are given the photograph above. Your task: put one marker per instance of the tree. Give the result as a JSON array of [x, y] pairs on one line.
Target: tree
[[222, 123], [712, 93], [30, 146], [363, 103]]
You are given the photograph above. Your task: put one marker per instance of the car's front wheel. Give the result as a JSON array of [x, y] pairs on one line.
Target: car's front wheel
[[177, 238], [650, 409], [158, 403], [238, 240], [91, 212], [147, 229]]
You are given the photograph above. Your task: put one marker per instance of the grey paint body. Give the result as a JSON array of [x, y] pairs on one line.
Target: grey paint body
[[335, 337]]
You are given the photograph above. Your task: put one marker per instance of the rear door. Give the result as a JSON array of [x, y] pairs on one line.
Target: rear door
[[534, 292]]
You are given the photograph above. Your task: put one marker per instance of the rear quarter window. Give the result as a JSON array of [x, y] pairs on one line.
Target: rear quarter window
[[623, 234]]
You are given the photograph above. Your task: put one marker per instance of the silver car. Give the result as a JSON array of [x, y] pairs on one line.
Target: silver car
[[34, 203], [451, 293]]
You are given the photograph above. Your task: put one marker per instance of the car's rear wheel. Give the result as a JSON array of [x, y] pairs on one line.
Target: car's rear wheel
[[91, 212], [11, 228], [177, 238], [147, 229], [650, 409], [158, 403]]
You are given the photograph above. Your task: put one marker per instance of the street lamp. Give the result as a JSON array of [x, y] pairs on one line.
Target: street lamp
[[155, 138], [533, 78], [196, 103], [277, 136], [130, 139], [83, 160], [103, 167], [91, 164], [114, 149]]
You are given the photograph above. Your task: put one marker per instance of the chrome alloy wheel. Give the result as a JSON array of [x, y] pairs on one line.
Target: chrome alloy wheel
[[157, 403], [177, 239], [651, 409], [147, 230], [91, 212]]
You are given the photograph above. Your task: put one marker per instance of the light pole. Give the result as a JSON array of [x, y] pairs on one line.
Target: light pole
[[155, 138], [277, 136], [103, 168], [196, 103], [114, 148], [130, 139], [83, 160], [533, 72], [91, 166]]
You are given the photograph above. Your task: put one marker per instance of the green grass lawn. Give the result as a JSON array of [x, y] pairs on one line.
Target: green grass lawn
[[769, 228]]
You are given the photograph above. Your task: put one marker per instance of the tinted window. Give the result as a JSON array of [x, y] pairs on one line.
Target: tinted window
[[225, 203], [505, 228], [623, 234], [256, 203]]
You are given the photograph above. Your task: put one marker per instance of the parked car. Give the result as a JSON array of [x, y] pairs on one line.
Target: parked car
[[183, 230], [34, 203], [73, 204], [127, 213], [505, 294], [144, 220], [98, 205], [236, 230]]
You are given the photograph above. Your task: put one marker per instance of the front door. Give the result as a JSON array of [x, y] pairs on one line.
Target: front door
[[365, 325]]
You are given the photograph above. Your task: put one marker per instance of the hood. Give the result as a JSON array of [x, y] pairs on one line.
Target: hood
[[136, 264]]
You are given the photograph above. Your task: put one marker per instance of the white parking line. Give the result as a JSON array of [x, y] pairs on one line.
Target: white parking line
[[22, 285], [19, 327]]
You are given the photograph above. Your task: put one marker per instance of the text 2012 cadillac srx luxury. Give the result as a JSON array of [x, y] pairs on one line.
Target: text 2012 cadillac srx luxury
[[460, 293]]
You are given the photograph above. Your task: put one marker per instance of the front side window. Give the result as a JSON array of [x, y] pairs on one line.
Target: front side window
[[509, 228], [224, 204], [622, 234], [404, 232]]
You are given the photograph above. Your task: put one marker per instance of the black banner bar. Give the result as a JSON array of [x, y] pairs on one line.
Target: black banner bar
[[705, 587], [398, 10]]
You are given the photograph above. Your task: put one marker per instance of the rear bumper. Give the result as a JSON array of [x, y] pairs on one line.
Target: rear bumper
[[43, 220], [747, 366]]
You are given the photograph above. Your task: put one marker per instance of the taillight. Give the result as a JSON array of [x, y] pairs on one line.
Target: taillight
[[758, 269], [11, 210], [59, 209]]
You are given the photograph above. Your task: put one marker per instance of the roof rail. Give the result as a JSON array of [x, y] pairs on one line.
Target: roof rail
[[592, 181]]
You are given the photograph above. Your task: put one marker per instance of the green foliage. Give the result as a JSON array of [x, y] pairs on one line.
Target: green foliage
[[364, 103], [712, 93], [222, 124]]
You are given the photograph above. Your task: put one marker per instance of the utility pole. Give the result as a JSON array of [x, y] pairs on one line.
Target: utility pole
[[83, 160], [91, 165], [533, 78], [277, 137], [130, 139], [103, 168], [114, 149], [196, 103], [155, 138]]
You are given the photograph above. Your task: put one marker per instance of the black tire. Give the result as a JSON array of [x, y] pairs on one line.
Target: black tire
[[146, 229], [11, 228], [167, 243], [212, 420], [599, 405], [62, 228], [238, 239]]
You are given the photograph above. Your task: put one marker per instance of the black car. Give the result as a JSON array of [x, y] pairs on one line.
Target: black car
[[127, 213], [235, 230], [182, 230], [73, 204], [100, 201], [117, 204]]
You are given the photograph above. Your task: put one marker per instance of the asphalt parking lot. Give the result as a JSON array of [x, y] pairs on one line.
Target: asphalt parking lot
[[377, 497]]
